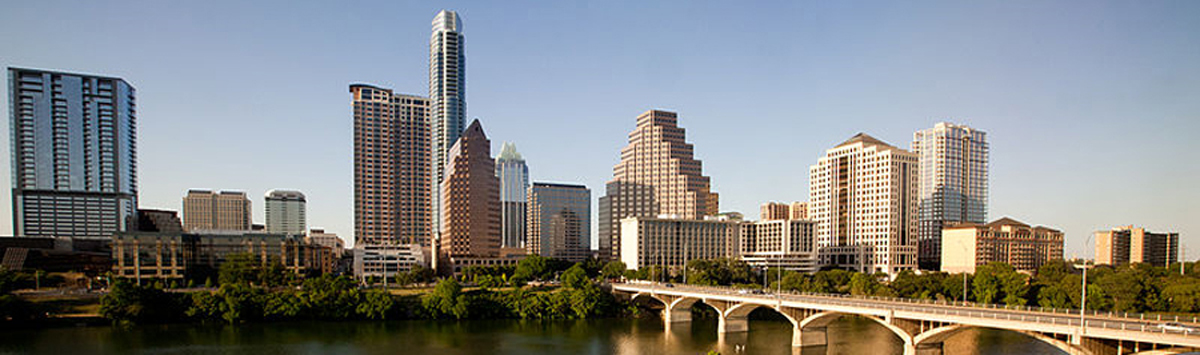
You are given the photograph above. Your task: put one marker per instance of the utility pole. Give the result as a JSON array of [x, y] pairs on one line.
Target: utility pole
[[1083, 291]]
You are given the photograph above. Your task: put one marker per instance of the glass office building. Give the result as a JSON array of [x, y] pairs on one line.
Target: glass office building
[[73, 140], [953, 173], [514, 186], [560, 218]]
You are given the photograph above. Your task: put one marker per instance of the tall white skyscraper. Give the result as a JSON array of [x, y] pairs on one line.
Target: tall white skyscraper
[[953, 172], [514, 187], [863, 197], [285, 212], [447, 97]]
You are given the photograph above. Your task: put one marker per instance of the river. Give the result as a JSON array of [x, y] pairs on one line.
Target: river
[[849, 335]]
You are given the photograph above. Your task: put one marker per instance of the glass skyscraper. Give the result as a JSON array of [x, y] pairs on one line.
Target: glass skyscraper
[[74, 153], [560, 218], [953, 170], [447, 97], [514, 186]]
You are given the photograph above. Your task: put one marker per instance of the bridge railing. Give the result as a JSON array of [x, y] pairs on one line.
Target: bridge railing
[[1118, 321]]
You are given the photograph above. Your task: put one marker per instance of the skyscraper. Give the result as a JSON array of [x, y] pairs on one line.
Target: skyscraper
[[205, 210], [73, 143], [447, 97], [863, 197], [470, 201], [953, 172], [391, 167], [657, 175], [514, 186], [285, 211], [560, 221]]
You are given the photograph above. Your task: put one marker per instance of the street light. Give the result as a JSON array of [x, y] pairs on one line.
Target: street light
[[1083, 289], [964, 249]]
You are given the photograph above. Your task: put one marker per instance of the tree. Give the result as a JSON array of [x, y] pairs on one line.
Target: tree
[[376, 304], [612, 270], [127, 303], [863, 284], [446, 299], [533, 267], [239, 268], [576, 277]]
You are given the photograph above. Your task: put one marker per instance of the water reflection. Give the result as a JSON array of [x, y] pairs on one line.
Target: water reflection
[[849, 335]]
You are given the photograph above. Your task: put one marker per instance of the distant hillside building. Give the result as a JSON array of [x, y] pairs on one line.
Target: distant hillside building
[[1127, 244], [968, 245]]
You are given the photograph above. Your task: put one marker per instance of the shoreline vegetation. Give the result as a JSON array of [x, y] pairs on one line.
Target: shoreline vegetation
[[540, 288]]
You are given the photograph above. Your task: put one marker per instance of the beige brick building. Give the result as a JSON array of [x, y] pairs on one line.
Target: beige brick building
[[657, 175], [209, 210], [771, 211], [798, 210], [967, 245], [1127, 244], [671, 242], [863, 197]]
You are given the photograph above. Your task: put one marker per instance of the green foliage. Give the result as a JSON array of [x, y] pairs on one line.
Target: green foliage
[[722, 271], [375, 304], [863, 284], [612, 270], [446, 300], [576, 277], [127, 303]]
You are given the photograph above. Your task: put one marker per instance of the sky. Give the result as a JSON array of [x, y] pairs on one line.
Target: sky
[[1090, 107]]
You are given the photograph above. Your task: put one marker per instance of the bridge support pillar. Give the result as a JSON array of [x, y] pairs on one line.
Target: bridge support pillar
[[733, 324], [811, 336], [925, 349], [677, 315]]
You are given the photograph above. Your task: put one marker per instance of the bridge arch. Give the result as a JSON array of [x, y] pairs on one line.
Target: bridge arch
[[646, 297], [940, 334], [743, 310], [823, 319]]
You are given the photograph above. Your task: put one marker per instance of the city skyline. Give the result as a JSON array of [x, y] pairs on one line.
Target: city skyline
[[1054, 99]]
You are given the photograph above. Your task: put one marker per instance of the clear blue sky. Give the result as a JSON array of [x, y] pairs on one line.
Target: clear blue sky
[[1092, 108]]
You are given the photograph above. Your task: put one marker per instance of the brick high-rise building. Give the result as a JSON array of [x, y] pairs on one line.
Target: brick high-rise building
[[863, 197], [470, 201], [1127, 244], [771, 211], [798, 210], [657, 175], [206, 210], [953, 171], [73, 144], [391, 167]]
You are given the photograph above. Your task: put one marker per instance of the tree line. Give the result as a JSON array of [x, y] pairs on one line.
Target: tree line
[[253, 292]]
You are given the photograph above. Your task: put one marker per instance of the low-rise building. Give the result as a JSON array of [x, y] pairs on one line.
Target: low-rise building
[[329, 240], [382, 260], [788, 244], [175, 255], [1026, 248], [667, 241]]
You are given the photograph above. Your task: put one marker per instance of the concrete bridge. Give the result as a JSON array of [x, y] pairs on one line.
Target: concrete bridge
[[922, 325]]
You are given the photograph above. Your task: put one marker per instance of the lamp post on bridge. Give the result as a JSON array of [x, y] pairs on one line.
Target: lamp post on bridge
[[964, 253], [1083, 289]]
